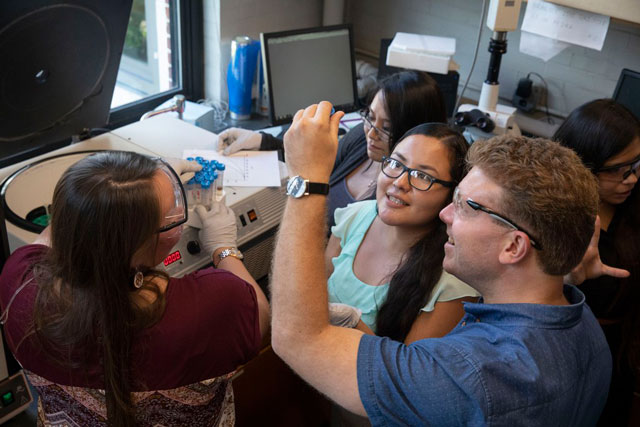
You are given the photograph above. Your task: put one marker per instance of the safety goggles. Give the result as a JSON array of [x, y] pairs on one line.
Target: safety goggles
[[177, 215], [457, 202], [383, 135], [620, 172]]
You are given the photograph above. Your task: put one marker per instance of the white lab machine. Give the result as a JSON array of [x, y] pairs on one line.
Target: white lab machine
[[27, 191]]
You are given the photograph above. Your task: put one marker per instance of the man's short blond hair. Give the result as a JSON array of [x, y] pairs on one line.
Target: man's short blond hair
[[546, 190]]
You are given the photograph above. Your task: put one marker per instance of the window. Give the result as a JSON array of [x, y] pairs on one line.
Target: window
[[162, 56], [150, 58]]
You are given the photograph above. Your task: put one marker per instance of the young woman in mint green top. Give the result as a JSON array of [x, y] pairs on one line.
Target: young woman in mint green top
[[385, 256]]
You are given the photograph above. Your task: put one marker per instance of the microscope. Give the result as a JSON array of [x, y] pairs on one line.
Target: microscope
[[488, 117]]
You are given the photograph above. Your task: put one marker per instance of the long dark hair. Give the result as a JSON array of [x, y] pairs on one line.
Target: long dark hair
[[410, 98], [421, 267], [597, 131], [105, 209]]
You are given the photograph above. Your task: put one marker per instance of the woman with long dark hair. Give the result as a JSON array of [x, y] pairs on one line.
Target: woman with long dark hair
[[606, 135], [399, 102], [104, 336], [385, 256]]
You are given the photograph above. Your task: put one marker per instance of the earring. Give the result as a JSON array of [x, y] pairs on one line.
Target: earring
[[138, 280]]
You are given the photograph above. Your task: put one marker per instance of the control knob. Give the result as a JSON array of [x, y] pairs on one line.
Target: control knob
[[193, 247]]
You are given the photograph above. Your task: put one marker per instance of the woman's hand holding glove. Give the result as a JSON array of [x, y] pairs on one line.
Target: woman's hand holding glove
[[344, 315], [233, 140], [218, 227]]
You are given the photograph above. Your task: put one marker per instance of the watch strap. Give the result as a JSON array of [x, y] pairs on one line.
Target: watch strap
[[234, 252], [317, 188]]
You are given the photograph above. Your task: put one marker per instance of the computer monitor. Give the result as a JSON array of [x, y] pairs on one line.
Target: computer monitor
[[307, 66], [627, 91]]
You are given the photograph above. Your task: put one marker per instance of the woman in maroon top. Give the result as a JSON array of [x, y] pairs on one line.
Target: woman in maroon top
[[85, 310]]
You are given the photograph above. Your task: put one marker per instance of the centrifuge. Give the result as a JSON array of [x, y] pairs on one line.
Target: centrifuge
[[27, 191]]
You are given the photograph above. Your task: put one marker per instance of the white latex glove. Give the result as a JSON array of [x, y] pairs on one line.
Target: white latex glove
[[184, 168], [344, 315], [218, 227], [233, 140]]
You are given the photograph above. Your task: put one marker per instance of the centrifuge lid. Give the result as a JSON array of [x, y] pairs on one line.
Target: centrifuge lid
[[59, 65]]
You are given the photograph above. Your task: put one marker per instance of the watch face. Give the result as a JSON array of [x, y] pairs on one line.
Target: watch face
[[296, 187], [232, 251]]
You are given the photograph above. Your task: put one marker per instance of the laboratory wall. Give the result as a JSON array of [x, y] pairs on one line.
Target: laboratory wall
[[575, 76], [226, 19]]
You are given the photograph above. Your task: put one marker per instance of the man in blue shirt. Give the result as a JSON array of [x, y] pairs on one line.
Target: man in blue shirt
[[529, 353]]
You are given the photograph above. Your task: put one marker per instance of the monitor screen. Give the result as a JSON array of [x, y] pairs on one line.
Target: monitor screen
[[627, 91], [307, 66]]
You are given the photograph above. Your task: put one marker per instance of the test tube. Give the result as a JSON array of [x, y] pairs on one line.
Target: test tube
[[193, 193], [188, 188], [206, 194], [219, 182]]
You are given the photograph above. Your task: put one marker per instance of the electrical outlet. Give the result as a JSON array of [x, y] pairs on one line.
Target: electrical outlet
[[539, 96]]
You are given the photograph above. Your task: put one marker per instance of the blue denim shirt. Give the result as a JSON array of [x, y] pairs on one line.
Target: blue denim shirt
[[503, 365]]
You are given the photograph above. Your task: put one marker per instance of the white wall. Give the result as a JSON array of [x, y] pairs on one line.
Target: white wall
[[226, 19], [212, 49], [575, 76]]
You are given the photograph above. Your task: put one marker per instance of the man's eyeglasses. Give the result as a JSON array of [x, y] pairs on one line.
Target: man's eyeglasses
[[620, 172], [417, 179], [383, 135], [177, 215], [478, 207]]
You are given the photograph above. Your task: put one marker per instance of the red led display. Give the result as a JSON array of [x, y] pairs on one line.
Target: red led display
[[171, 258]]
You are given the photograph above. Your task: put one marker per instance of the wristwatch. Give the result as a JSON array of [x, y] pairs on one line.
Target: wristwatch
[[234, 252], [298, 187]]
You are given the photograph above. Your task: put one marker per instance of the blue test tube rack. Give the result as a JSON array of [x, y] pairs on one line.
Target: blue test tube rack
[[202, 188]]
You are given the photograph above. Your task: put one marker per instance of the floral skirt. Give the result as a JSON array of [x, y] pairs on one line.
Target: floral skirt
[[206, 403]]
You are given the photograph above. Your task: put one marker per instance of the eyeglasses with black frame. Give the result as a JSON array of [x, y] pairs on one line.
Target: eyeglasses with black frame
[[618, 172], [384, 135], [478, 207], [177, 215], [418, 179]]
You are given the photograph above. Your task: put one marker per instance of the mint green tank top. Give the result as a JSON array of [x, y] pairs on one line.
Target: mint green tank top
[[352, 223]]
